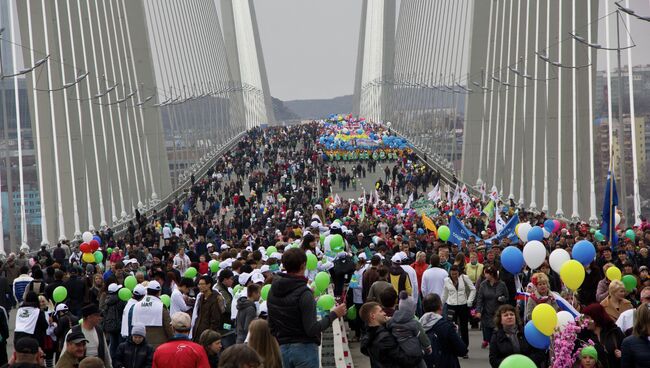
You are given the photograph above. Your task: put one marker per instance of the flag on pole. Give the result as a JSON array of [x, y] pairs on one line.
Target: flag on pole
[[363, 213], [435, 191], [464, 194], [430, 225], [494, 193], [482, 190], [456, 194], [609, 210], [489, 209]]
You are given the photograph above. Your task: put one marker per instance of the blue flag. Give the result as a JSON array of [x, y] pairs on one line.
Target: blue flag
[[458, 231], [508, 231], [609, 208]]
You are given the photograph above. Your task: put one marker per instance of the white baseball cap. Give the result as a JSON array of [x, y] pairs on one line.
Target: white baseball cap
[[257, 278], [243, 278], [265, 268], [139, 290], [114, 288], [154, 285], [61, 307]]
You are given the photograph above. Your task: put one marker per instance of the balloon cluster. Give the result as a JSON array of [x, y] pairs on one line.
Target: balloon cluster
[[90, 252]]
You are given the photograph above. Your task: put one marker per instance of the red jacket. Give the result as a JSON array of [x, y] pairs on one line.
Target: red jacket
[[179, 352]]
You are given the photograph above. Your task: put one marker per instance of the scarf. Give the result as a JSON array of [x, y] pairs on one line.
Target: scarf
[[511, 333]]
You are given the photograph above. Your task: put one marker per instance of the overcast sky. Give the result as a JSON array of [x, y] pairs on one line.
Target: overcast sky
[[310, 46]]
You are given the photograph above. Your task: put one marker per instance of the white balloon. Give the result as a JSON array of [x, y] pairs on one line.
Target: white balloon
[[546, 233], [534, 254], [617, 219], [557, 259], [523, 231], [87, 237], [563, 319]]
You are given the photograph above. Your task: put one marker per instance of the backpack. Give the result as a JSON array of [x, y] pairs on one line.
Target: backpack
[[113, 317], [343, 266], [433, 359]]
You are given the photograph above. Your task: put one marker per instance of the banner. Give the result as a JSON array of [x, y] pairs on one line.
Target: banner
[[507, 232], [458, 231]]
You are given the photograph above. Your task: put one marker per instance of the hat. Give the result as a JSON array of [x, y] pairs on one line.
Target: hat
[[139, 290], [397, 258], [243, 278], [643, 268], [76, 337], [154, 285], [138, 330], [265, 268], [276, 255], [362, 256], [335, 225], [60, 308], [181, 321], [406, 303], [315, 224], [89, 310], [257, 278], [114, 288], [224, 246], [318, 207], [589, 351], [210, 245], [26, 345]]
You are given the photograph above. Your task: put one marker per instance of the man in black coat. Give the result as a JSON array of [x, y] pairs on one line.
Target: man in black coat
[[76, 292], [379, 344], [446, 344]]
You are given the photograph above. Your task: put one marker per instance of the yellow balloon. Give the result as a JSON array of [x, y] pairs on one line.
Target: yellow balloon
[[614, 273], [88, 258], [517, 229], [545, 318], [572, 274]]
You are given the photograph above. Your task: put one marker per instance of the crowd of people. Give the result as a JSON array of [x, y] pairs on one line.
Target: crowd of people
[[226, 276]]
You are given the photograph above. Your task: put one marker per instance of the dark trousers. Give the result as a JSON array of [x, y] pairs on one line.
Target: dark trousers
[[461, 318]]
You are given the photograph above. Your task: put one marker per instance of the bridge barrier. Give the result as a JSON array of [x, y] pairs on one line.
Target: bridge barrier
[[334, 349]]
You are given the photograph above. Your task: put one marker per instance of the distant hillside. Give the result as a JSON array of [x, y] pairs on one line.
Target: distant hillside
[[314, 109], [282, 112]]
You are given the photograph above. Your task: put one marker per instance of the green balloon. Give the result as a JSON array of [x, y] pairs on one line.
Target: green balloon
[[592, 230], [109, 251], [166, 300], [599, 236], [517, 361], [630, 282], [124, 294], [630, 234], [322, 280], [444, 233], [99, 256], [214, 266], [270, 250], [60, 294], [130, 282], [312, 262], [191, 272], [337, 243], [265, 291], [237, 289], [352, 313], [322, 239], [326, 302]]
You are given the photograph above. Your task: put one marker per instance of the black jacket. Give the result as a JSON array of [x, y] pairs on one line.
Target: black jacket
[[130, 355], [501, 348], [450, 345], [76, 293], [611, 340], [292, 312], [635, 352], [384, 352]]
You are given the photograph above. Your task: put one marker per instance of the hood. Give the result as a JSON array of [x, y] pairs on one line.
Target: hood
[[429, 319], [286, 284], [244, 302], [402, 316]]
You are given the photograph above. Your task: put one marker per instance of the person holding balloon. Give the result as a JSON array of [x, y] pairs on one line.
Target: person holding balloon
[[541, 294], [615, 303], [508, 338]]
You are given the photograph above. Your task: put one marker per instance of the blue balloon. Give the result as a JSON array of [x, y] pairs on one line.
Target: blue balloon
[[99, 240], [536, 338], [583, 252], [536, 233], [512, 259], [549, 225], [420, 231]]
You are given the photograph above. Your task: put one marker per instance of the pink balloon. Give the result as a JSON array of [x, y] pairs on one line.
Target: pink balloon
[[558, 226]]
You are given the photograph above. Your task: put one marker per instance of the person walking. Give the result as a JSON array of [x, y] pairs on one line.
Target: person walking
[[90, 328], [491, 294], [180, 351], [113, 309], [134, 352], [292, 313], [508, 339], [74, 352], [442, 333], [208, 309], [154, 315], [458, 294]]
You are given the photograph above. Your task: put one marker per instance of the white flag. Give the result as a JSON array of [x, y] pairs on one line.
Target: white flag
[[482, 190], [464, 194], [408, 203], [456, 196], [498, 221], [494, 194], [435, 191]]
